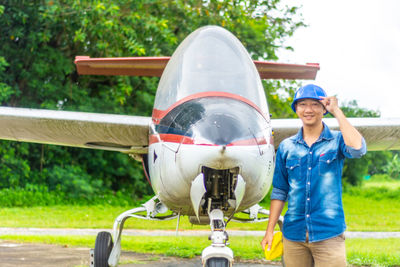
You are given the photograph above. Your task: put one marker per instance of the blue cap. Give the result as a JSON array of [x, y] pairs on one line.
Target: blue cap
[[309, 91]]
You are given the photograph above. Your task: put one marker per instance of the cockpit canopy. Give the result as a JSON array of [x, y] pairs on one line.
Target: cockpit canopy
[[211, 59]]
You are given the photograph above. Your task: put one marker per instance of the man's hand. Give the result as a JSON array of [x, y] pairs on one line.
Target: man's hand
[[330, 103], [267, 240], [350, 134], [274, 213]]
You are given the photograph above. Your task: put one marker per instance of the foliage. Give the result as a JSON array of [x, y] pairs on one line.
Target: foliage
[[40, 40], [374, 162], [382, 180], [355, 170], [40, 195], [13, 169], [352, 110], [393, 167], [33, 195], [377, 193], [280, 98]]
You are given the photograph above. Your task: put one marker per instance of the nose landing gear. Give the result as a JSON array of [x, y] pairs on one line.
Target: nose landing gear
[[217, 254]]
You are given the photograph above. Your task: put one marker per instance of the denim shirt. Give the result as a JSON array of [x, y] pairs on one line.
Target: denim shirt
[[310, 179]]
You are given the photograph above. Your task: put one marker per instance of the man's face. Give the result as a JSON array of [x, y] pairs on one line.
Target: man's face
[[310, 111]]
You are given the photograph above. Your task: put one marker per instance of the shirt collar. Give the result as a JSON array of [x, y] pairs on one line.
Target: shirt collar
[[325, 134]]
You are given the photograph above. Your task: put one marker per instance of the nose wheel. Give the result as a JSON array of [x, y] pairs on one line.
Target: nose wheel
[[102, 249], [217, 262]]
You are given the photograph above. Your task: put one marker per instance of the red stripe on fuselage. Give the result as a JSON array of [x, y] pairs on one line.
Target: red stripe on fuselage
[[159, 114], [181, 139], [172, 138]]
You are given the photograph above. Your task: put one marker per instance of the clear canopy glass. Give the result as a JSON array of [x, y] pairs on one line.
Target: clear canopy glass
[[210, 59]]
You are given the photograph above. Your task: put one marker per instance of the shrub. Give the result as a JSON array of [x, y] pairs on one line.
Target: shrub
[[377, 193], [74, 182], [35, 195], [381, 177]]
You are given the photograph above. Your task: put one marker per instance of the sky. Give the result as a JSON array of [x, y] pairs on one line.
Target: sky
[[357, 44]]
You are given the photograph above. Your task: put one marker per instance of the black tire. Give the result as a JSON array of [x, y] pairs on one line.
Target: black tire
[[102, 249], [217, 262]]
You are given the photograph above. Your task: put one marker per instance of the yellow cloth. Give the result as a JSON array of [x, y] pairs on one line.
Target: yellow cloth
[[276, 247]]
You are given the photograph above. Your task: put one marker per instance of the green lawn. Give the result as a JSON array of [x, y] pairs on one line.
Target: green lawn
[[373, 252], [362, 214], [381, 181]]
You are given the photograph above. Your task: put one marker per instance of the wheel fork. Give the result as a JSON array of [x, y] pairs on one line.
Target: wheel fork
[[219, 238]]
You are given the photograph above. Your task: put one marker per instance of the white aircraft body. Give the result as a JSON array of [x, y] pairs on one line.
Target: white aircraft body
[[209, 147]]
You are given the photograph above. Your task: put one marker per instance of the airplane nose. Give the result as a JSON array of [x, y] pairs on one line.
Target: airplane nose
[[219, 129]]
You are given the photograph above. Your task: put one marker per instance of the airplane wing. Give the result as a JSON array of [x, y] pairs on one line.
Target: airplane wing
[[128, 134], [154, 66], [379, 133]]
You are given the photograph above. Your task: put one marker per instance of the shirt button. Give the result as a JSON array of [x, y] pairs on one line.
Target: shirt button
[[310, 152], [308, 183], [328, 161], [308, 199], [308, 215], [309, 168]]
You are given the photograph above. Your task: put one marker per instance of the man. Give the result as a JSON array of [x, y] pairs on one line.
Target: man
[[308, 175]]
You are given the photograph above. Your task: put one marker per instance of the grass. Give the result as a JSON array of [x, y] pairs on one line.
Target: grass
[[362, 214], [373, 207], [366, 214], [93, 217], [78, 217], [371, 252], [381, 181], [392, 185]]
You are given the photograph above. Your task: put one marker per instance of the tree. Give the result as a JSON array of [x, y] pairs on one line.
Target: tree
[[41, 38], [373, 162], [392, 167]]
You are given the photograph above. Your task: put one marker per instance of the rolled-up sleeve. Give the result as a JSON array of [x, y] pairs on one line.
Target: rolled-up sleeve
[[280, 181], [350, 152], [279, 194]]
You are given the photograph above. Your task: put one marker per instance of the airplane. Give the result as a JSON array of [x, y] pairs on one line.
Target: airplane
[[208, 150]]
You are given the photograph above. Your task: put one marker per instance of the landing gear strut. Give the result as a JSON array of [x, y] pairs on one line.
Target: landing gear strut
[[218, 254], [105, 252]]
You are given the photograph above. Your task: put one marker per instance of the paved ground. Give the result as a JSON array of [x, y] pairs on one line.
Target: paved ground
[[35, 255], [40, 255]]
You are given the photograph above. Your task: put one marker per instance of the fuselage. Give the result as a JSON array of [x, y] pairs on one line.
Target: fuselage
[[211, 121]]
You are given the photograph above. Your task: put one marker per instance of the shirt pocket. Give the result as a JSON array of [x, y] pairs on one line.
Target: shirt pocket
[[327, 163], [293, 168]]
